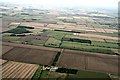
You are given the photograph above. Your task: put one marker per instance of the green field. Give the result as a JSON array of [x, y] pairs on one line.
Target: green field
[[78, 46], [52, 42], [10, 38], [57, 34], [79, 75], [89, 74], [56, 75], [104, 44], [44, 75], [31, 43]]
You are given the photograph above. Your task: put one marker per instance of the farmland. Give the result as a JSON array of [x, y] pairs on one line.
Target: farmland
[[83, 60], [18, 70], [58, 43], [52, 42], [77, 46], [30, 56]]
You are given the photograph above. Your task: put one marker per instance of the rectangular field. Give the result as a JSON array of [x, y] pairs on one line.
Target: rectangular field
[[18, 70], [35, 39], [6, 49], [88, 48], [36, 56], [89, 61], [89, 75], [72, 59], [53, 42], [102, 64]]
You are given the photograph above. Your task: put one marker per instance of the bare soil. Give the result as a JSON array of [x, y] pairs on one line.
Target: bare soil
[[36, 56]]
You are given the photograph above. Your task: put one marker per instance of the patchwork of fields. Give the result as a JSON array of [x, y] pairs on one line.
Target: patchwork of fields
[[58, 44], [86, 49]]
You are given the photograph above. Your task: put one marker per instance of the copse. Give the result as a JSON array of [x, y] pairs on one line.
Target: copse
[[78, 40]]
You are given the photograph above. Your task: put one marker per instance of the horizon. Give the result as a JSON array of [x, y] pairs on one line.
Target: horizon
[[73, 3]]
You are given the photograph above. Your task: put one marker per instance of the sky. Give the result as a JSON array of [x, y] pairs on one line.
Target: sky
[[55, 3]]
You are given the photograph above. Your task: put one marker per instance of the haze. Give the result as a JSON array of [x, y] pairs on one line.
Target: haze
[[70, 3]]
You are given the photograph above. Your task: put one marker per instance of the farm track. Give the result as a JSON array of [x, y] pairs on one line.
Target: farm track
[[18, 70]]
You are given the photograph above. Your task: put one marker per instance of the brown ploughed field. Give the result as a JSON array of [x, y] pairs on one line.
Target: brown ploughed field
[[30, 46], [89, 61], [28, 55], [72, 59], [102, 64], [6, 49]]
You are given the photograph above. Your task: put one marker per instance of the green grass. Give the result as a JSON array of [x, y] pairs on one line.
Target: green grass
[[96, 42], [112, 41], [78, 46], [10, 38], [52, 42], [30, 43], [57, 76], [37, 73], [89, 74], [57, 34], [44, 75], [104, 44]]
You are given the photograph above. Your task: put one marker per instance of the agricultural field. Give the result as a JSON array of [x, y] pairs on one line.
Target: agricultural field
[[98, 36], [71, 59], [89, 75], [53, 42], [6, 49], [57, 75], [88, 48], [18, 70], [80, 74], [28, 55], [57, 34], [11, 38], [108, 64], [34, 39], [88, 61], [69, 39]]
